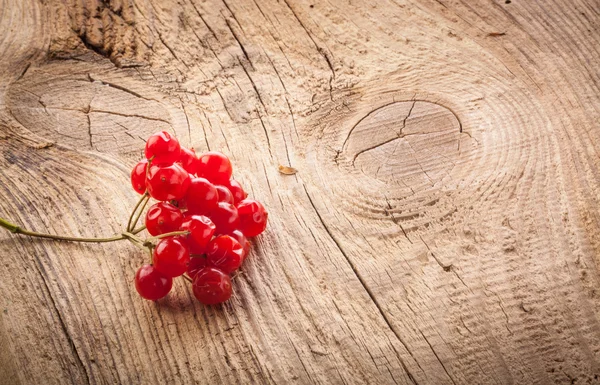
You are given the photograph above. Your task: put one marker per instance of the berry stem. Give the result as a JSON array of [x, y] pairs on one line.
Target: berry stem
[[136, 241], [138, 230], [139, 214], [171, 234], [144, 199], [18, 230]]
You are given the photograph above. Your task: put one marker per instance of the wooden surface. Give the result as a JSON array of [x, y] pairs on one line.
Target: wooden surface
[[443, 226]]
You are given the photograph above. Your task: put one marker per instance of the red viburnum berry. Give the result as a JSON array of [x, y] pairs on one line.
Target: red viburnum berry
[[202, 197], [224, 194], [201, 230], [188, 160], [211, 286], [151, 284], [224, 253], [167, 182], [196, 264], [225, 217], [215, 167], [138, 176], [253, 217], [243, 241], [171, 256], [163, 217], [162, 148], [236, 190]]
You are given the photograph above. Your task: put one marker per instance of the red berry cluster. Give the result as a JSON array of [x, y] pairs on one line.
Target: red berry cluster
[[197, 197]]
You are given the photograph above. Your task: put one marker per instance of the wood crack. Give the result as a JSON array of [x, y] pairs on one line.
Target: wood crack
[[362, 282], [63, 324], [399, 135], [266, 135], [23, 72], [395, 220], [212, 32], [254, 86], [129, 115], [120, 88], [236, 37], [438, 358], [162, 40], [225, 105], [320, 50], [446, 268], [362, 119]]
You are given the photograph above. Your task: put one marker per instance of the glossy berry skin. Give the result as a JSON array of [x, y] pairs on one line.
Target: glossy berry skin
[[224, 194], [165, 183], [201, 230], [243, 241], [211, 286], [196, 264], [163, 217], [138, 176], [215, 167], [225, 217], [224, 253], [237, 191], [253, 217], [201, 197], [152, 284], [162, 148], [171, 256], [188, 160]]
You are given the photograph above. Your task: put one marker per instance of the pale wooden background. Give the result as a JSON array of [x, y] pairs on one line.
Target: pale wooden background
[[442, 228]]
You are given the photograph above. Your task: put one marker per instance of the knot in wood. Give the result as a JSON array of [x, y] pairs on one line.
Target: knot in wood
[[414, 143]]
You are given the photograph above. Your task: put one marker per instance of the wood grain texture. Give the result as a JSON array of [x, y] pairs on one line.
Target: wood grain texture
[[442, 226]]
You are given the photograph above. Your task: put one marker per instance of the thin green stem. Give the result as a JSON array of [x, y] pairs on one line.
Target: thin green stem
[[139, 214], [171, 234], [136, 240], [18, 230], [138, 230], [132, 237], [144, 198]]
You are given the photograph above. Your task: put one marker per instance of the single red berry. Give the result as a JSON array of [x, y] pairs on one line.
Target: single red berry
[[201, 230], [201, 197], [224, 253], [196, 264], [152, 284], [215, 167], [138, 176], [224, 194], [253, 217], [211, 286], [243, 241], [162, 148], [163, 217], [236, 190], [188, 160], [167, 182], [171, 256], [225, 217]]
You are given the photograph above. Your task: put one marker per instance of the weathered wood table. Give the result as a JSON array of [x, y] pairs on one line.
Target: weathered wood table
[[442, 228]]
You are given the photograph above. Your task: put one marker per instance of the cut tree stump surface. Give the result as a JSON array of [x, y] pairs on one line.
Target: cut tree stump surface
[[442, 226]]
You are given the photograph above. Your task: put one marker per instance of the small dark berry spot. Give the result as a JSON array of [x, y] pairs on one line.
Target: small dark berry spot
[[312, 5], [507, 2]]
